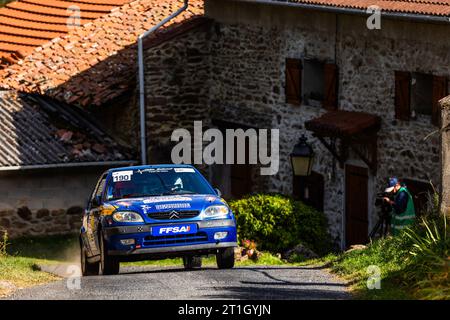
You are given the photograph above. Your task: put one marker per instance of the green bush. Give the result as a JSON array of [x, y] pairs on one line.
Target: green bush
[[278, 223]]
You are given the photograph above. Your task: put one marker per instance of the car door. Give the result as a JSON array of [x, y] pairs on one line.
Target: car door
[[93, 216]]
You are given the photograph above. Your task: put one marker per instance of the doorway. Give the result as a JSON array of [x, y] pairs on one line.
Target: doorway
[[356, 205]]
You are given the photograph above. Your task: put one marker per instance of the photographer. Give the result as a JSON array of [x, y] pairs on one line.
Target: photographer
[[403, 212]]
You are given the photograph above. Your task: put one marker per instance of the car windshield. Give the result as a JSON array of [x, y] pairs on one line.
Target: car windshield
[[155, 182]]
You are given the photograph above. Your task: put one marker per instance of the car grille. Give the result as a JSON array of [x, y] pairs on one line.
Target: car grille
[[175, 239], [169, 215]]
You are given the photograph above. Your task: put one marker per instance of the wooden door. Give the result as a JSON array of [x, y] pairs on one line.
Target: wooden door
[[356, 205]]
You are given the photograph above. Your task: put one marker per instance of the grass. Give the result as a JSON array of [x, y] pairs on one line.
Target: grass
[[413, 265], [19, 272], [19, 260]]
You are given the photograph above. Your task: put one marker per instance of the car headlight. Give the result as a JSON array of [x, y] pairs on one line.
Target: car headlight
[[127, 216], [216, 211]]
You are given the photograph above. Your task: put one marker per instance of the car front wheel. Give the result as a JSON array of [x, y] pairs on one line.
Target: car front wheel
[[225, 258], [87, 269], [109, 265]]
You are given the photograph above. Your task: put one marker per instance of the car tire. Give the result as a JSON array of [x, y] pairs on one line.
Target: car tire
[[87, 269], [109, 265], [225, 258], [191, 262]]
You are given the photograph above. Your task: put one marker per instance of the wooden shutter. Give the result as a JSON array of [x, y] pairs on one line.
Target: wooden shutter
[[402, 95], [439, 91], [293, 81], [331, 77]]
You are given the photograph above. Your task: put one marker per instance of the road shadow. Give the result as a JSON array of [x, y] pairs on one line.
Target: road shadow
[[276, 293]]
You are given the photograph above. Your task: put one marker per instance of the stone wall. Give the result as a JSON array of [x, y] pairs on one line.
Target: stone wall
[[45, 202], [176, 88]]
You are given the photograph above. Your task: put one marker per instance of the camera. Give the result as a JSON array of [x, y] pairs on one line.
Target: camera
[[381, 202]]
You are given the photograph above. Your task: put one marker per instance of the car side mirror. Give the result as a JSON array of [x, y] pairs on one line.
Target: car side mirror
[[97, 201], [219, 194]]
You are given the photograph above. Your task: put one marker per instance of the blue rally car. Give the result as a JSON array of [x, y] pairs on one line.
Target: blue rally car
[[155, 212]]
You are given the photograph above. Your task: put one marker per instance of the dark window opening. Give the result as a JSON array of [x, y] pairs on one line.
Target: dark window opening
[[421, 193], [314, 83], [421, 93]]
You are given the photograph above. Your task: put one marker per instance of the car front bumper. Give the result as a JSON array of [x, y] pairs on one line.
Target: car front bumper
[[146, 245]]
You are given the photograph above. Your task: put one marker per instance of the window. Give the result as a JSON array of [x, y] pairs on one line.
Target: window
[[418, 94], [311, 81], [310, 190]]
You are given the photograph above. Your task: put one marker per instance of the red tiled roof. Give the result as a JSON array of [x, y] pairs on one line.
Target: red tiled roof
[[424, 7], [27, 24], [96, 62]]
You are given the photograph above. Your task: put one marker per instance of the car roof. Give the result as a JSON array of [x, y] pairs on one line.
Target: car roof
[[154, 166]]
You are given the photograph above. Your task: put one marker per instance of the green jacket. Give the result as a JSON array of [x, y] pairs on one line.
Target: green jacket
[[405, 219]]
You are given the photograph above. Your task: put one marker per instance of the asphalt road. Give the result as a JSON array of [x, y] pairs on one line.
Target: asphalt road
[[206, 283]]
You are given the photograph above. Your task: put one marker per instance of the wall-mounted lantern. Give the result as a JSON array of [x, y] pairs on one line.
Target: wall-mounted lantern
[[302, 158]]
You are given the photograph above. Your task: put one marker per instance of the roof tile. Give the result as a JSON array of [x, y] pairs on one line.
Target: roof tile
[[104, 50], [44, 19], [423, 7]]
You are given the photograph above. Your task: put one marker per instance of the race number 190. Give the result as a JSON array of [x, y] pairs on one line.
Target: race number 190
[[122, 176]]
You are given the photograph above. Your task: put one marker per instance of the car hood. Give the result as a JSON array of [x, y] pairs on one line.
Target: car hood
[[146, 205]]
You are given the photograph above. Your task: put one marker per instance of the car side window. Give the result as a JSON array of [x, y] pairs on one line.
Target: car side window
[[98, 189]]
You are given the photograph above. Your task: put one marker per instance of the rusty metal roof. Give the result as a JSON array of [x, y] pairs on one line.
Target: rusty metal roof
[[36, 131], [342, 123]]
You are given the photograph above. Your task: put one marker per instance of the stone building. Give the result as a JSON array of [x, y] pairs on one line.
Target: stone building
[[51, 157], [365, 98], [267, 64]]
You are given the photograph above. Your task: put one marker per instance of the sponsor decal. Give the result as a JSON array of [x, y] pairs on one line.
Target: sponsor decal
[[173, 206], [167, 199], [174, 229], [181, 170], [154, 170], [210, 199], [106, 209], [122, 176], [166, 230], [124, 203], [145, 208]]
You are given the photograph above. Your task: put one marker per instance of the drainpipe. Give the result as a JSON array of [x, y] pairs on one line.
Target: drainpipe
[[141, 77]]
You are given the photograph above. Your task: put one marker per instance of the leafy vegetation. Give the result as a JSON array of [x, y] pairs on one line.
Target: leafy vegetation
[[278, 223], [414, 264]]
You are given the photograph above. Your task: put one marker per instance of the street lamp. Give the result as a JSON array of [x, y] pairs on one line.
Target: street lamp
[[302, 158]]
